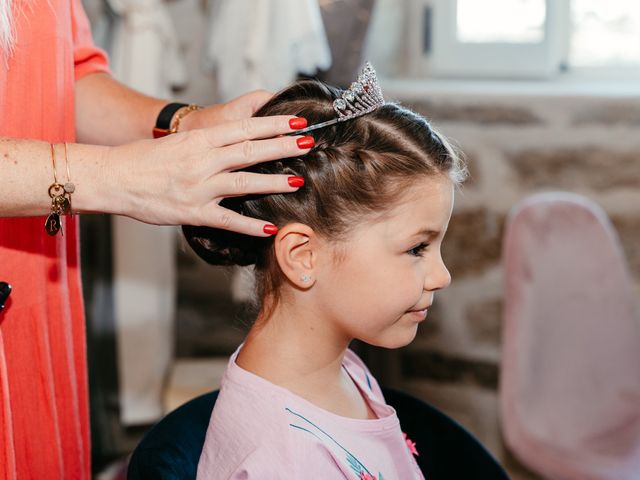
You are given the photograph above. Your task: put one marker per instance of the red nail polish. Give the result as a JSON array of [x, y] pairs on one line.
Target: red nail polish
[[295, 181], [306, 142], [270, 229], [297, 123]]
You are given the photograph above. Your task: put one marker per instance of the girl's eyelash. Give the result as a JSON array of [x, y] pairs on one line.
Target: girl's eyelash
[[418, 249]]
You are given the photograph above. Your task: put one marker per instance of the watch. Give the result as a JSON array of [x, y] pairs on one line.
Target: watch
[[163, 122]]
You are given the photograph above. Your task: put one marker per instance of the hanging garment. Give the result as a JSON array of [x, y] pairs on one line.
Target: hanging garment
[[264, 45], [145, 56]]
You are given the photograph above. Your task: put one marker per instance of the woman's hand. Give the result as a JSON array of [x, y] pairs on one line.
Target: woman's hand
[[181, 178], [237, 109]]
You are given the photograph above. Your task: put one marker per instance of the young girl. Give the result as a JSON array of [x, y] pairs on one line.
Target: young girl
[[357, 255]]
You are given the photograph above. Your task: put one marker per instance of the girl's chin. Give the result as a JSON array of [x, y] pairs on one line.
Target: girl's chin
[[398, 341]]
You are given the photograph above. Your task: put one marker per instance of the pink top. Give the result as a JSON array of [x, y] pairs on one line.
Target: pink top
[[44, 408], [259, 430]]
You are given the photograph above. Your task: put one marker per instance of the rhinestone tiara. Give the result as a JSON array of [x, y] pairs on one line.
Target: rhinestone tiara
[[363, 96]]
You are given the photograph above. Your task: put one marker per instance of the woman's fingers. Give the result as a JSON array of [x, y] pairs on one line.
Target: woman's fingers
[[182, 178], [247, 153], [253, 128], [246, 183], [245, 105], [219, 217]]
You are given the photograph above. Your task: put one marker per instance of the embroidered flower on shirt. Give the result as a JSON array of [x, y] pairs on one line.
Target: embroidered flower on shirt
[[410, 445], [360, 470], [367, 476]]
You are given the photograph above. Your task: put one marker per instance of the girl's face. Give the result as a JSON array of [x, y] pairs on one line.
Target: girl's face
[[388, 270]]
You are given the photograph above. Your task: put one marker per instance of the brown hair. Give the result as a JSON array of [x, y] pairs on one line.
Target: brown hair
[[356, 170]]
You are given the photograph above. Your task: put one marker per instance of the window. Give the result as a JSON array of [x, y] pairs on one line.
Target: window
[[518, 22], [605, 33], [520, 39]]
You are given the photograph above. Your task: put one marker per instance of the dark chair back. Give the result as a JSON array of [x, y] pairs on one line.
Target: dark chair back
[[446, 449], [171, 449]]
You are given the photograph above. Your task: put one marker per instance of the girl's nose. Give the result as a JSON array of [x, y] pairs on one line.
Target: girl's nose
[[438, 277]]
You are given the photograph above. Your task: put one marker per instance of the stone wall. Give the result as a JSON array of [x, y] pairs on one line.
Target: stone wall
[[517, 147]]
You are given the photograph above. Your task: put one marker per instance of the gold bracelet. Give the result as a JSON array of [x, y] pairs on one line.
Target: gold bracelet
[[180, 114], [69, 186], [60, 204]]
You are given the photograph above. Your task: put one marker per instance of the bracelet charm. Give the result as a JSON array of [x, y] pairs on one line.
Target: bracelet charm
[[60, 205], [60, 197]]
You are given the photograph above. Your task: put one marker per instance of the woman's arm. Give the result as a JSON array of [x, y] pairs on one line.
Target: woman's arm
[[110, 113], [27, 172], [179, 179]]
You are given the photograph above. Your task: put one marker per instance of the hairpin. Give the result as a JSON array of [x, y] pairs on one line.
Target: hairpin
[[363, 96]]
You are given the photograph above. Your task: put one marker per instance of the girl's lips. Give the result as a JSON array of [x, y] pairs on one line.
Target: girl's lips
[[421, 314], [421, 309]]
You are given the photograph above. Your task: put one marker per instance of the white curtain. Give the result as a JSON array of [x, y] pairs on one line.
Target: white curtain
[[264, 44], [144, 56], [145, 52]]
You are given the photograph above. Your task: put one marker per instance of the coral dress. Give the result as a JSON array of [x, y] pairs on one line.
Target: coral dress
[[44, 415]]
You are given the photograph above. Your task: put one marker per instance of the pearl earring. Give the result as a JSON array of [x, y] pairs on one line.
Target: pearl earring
[[305, 278]]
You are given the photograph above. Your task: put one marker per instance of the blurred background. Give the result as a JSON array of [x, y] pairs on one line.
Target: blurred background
[[541, 96]]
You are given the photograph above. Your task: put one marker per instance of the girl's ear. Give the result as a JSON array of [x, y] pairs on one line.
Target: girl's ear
[[297, 254]]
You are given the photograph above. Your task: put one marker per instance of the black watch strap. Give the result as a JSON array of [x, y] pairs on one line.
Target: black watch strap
[[163, 122]]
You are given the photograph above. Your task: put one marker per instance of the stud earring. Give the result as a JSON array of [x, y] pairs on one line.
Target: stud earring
[[305, 278]]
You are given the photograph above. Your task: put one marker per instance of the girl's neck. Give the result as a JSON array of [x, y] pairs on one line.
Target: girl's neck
[[296, 350], [289, 348]]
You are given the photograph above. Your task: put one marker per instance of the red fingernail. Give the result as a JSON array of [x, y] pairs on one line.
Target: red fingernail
[[295, 181], [270, 229], [305, 142], [297, 123]]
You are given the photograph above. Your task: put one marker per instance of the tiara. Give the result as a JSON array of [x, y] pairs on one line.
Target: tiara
[[363, 96]]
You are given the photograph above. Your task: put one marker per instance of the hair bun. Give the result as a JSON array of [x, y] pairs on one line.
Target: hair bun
[[222, 247]]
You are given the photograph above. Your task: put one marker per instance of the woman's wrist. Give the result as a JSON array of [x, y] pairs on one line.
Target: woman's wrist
[[178, 120], [170, 117], [97, 185], [28, 175], [195, 120]]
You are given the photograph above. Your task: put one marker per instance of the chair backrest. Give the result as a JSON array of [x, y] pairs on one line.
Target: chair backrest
[[570, 374], [171, 449], [447, 450]]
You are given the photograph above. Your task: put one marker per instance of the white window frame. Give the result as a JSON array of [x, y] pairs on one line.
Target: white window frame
[[450, 58]]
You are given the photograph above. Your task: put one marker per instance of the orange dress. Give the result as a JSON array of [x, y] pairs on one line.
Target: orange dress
[[44, 415]]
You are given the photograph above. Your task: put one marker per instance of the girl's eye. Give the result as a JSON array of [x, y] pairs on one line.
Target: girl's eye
[[418, 249]]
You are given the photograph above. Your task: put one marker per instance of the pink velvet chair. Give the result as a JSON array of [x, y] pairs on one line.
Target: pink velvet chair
[[570, 373]]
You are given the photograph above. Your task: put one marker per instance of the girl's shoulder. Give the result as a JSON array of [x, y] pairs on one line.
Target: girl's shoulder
[[247, 431]]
